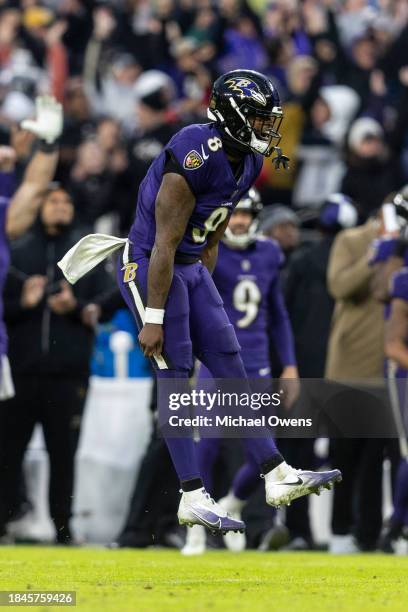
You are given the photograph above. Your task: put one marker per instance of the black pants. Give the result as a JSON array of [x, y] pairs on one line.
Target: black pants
[[57, 403], [357, 501]]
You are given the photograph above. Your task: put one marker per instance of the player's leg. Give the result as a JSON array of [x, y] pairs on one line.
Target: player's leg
[[397, 524], [207, 448], [245, 482], [196, 506], [176, 360], [207, 452], [216, 345]]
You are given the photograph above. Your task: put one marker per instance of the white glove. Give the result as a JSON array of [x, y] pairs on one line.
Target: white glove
[[48, 122]]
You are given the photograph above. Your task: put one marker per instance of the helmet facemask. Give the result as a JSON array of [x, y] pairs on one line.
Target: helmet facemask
[[265, 136], [260, 130]]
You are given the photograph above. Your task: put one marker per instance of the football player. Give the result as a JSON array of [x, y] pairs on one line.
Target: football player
[[184, 204], [247, 277], [396, 351]]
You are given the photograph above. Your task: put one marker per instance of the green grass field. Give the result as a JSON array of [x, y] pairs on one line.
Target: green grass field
[[157, 580]]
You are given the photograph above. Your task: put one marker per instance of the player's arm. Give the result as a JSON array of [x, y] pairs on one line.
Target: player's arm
[[210, 252], [396, 333], [174, 206], [25, 203]]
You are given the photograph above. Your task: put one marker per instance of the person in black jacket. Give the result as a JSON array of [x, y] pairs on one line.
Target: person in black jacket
[[310, 307], [50, 349]]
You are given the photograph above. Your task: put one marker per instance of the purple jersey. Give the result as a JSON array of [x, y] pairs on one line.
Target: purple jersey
[[6, 190], [248, 282], [198, 152]]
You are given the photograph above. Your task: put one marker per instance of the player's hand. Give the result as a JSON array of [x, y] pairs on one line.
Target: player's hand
[[63, 302], [33, 291], [151, 339], [47, 124], [7, 159], [290, 386]]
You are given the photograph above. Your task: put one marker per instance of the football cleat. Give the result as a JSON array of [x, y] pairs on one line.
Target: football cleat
[[198, 508], [234, 541], [290, 484]]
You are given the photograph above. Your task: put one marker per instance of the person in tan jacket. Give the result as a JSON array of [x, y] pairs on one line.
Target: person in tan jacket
[[356, 356], [355, 349]]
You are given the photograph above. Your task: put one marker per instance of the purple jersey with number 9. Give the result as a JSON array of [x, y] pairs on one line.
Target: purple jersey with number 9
[[198, 152]]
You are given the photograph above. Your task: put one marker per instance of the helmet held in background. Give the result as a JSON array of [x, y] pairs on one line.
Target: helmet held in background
[[246, 107], [382, 249], [243, 225]]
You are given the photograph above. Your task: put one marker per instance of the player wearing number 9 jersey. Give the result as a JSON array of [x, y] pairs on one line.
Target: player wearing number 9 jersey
[[183, 208], [247, 277]]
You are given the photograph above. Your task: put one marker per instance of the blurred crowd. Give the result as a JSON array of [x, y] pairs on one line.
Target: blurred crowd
[[130, 74]]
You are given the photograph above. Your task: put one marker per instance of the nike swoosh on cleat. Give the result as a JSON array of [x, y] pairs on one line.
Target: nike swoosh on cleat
[[291, 484], [216, 525]]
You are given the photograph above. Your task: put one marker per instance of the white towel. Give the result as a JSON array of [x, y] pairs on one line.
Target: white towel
[[88, 253]]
